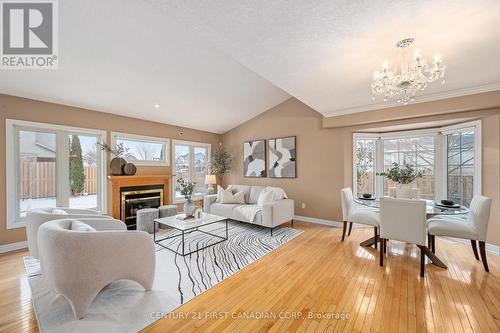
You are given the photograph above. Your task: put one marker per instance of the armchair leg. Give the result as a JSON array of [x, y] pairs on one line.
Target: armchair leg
[[350, 228], [482, 250], [382, 246], [474, 248], [344, 228], [375, 236]]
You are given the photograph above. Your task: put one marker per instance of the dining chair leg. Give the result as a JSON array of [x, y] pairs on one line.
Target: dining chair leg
[[429, 241], [344, 228], [482, 250], [350, 228], [433, 243], [422, 263], [385, 245], [382, 241], [474, 248], [375, 236]]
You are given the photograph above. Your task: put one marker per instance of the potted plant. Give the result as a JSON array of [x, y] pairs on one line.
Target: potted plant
[[118, 162], [220, 163], [403, 176], [186, 189]]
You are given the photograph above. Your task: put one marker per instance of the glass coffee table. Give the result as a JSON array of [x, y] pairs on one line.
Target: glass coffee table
[[187, 227]]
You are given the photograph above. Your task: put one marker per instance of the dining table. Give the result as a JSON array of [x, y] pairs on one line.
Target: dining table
[[432, 209]]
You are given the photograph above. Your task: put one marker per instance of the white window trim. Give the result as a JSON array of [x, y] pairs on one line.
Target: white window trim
[[135, 137], [12, 126], [174, 177], [440, 162]]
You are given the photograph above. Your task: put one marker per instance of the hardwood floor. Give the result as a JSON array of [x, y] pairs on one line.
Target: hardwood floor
[[317, 275]]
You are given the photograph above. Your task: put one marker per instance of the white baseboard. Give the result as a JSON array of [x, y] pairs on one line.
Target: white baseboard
[[318, 221], [489, 247], [13, 246]]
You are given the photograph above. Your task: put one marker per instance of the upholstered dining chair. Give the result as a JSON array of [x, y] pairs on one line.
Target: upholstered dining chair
[[38, 216], [473, 227], [79, 257], [405, 220], [351, 214]]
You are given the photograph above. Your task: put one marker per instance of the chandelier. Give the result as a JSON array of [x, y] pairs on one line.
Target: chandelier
[[414, 74]]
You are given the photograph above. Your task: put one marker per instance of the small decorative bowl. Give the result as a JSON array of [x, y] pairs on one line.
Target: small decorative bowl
[[367, 195], [447, 202]]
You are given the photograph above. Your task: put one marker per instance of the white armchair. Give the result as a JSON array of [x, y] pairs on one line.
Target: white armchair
[[405, 220], [79, 264], [36, 217], [473, 227], [350, 214]]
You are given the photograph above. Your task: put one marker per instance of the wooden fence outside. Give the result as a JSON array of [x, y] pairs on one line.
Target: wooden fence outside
[[38, 179]]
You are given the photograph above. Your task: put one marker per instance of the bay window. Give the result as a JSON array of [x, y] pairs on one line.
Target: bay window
[[50, 166], [447, 157], [190, 163]]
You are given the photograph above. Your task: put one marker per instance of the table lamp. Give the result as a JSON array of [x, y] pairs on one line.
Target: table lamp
[[210, 180]]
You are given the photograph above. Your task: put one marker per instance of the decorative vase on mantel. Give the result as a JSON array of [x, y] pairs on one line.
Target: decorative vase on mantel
[[403, 191], [189, 208]]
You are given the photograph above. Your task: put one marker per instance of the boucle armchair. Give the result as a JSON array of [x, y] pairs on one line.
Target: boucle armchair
[[79, 264], [37, 216]]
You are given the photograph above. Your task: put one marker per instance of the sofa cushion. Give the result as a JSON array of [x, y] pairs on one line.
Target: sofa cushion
[[226, 210], [241, 188], [255, 192]]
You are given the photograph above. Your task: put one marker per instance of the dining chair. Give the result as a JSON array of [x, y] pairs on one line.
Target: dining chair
[[405, 220], [473, 227], [351, 214]]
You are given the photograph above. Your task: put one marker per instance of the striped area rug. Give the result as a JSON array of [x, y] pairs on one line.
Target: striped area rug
[[123, 306], [201, 270]]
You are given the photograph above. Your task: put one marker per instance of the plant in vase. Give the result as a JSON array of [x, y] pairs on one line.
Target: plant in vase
[[186, 189], [403, 176], [220, 163]]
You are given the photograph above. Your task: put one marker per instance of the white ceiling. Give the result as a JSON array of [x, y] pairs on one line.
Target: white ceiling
[[124, 57], [324, 52], [212, 64]]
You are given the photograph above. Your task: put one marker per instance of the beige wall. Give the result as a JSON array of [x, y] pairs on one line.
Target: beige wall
[[324, 155], [30, 110]]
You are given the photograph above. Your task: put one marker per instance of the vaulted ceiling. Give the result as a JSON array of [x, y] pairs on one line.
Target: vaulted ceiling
[[214, 64]]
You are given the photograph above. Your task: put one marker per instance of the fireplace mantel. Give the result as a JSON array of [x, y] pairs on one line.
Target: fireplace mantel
[[140, 180]]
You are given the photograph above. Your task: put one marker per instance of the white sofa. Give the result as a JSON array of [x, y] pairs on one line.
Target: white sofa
[[38, 216], [272, 214], [78, 264]]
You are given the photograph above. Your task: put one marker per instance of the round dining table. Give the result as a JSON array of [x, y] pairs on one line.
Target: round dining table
[[432, 209]]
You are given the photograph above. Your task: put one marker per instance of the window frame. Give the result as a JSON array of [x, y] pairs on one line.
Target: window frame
[[165, 142], [62, 132], [440, 154], [192, 145]]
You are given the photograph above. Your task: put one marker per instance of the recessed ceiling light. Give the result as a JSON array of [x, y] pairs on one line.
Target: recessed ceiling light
[[157, 106]]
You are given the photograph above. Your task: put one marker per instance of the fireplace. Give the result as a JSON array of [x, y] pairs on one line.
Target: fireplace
[[134, 198], [131, 193]]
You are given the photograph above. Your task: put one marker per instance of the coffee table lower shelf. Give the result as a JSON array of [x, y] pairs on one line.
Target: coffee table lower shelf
[[183, 234]]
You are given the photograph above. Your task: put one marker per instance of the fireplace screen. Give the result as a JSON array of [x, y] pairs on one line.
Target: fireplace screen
[[133, 199]]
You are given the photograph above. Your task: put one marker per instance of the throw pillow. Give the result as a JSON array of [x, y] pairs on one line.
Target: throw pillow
[[219, 193], [80, 226], [59, 211], [265, 197], [227, 197], [277, 191]]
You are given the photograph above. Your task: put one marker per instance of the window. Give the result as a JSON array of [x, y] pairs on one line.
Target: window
[[142, 150], [417, 152], [191, 162], [50, 166], [460, 165], [365, 165], [448, 158]]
